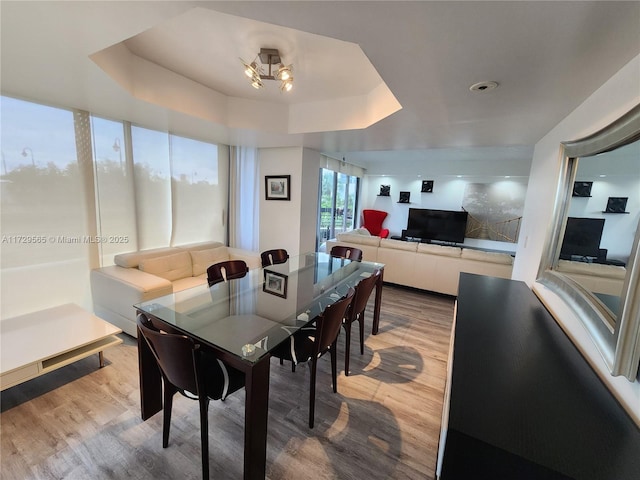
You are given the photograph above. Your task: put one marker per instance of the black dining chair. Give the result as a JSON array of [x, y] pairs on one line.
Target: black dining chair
[[355, 313], [350, 253], [188, 368], [228, 270], [273, 257], [309, 346]]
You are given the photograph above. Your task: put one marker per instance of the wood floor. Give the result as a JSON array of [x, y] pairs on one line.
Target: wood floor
[[81, 422]]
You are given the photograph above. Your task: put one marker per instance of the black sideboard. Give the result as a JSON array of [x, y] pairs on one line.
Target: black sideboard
[[524, 403]]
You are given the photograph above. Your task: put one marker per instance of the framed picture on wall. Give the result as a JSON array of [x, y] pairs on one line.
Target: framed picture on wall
[[275, 283], [385, 190], [582, 189], [404, 197], [277, 187], [616, 205], [427, 186]]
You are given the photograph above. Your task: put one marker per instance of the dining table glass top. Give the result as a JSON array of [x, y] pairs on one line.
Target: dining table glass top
[[248, 317]]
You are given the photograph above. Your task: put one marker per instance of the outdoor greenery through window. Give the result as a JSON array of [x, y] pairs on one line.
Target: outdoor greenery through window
[[338, 204]]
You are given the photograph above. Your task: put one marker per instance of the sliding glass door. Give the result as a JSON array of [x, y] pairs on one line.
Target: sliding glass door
[[338, 204]]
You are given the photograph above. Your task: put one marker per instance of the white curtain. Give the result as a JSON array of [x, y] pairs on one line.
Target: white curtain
[[244, 202]]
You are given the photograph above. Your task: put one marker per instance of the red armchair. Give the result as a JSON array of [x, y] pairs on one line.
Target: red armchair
[[373, 222]]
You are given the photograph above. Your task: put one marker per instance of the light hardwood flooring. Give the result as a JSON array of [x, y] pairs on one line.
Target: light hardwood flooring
[[81, 422]]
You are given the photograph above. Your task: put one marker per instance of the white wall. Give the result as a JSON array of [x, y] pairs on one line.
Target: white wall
[[448, 194], [289, 224], [309, 206]]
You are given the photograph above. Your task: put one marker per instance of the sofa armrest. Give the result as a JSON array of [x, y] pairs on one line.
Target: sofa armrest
[[117, 289]]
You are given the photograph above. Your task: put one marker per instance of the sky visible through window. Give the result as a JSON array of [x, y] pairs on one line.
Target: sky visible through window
[[35, 134]]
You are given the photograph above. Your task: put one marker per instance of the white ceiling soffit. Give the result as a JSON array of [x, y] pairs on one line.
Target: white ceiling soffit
[[191, 64]]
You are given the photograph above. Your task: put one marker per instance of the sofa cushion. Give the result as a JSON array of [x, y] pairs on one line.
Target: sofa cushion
[[171, 267], [202, 259], [133, 259], [490, 257], [398, 245], [188, 282], [439, 250], [357, 238]]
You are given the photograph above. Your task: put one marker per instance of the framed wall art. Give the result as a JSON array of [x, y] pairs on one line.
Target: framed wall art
[[277, 187], [616, 205], [582, 189], [404, 197], [427, 186], [275, 283]]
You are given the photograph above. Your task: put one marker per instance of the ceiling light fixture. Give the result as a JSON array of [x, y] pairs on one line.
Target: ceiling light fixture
[[271, 58]]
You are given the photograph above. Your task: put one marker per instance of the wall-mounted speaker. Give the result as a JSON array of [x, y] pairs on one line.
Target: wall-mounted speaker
[[616, 205]]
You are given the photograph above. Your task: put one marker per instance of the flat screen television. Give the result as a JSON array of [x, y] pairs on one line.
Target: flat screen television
[[438, 225], [582, 237]]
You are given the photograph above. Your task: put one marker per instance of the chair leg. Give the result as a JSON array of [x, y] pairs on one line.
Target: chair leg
[[361, 322], [169, 392], [204, 435], [347, 348], [334, 366], [312, 392]]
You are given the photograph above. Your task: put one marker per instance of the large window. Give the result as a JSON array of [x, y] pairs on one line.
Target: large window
[[337, 206], [198, 198], [44, 219], [115, 197], [77, 189]]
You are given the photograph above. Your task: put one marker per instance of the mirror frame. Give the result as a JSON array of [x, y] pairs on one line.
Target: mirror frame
[[617, 338]]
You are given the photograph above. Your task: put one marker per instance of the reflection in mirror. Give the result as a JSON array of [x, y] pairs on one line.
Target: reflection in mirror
[[592, 259], [603, 216]]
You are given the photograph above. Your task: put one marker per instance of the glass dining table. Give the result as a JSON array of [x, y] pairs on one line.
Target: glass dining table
[[243, 320]]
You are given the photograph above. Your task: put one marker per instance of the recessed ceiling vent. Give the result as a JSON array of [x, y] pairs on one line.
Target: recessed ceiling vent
[[483, 86]]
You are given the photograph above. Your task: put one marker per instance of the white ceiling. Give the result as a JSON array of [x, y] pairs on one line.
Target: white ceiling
[[547, 56], [196, 57]]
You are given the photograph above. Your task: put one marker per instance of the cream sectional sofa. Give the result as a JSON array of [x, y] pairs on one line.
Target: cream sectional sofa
[[146, 274], [425, 266]]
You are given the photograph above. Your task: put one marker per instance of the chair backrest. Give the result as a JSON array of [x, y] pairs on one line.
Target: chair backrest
[[273, 257], [174, 353], [350, 253], [329, 322], [223, 271], [372, 220], [362, 294]]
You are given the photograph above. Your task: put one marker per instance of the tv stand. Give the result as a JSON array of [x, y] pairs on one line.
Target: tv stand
[[408, 237]]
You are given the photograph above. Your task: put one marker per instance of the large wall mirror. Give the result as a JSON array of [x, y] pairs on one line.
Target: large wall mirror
[[592, 258]]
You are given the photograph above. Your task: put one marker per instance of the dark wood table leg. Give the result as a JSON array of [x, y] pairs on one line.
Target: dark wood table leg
[[256, 412], [150, 380], [378, 302]]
